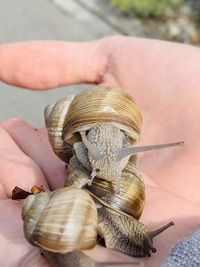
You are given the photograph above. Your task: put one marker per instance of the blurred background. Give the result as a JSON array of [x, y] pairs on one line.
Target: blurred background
[[81, 20]]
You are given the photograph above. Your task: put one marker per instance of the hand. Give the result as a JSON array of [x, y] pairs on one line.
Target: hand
[[163, 78]]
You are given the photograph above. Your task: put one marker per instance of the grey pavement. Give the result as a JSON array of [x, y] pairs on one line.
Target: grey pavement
[[46, 19]]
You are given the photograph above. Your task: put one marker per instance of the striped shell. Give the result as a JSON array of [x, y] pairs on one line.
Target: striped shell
[[61, 221], [131, 197]]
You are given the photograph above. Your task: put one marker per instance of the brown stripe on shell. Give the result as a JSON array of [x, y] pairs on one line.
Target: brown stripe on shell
[[68, 222], [103, 104], [131, 196], [31, 214], [54, 119]]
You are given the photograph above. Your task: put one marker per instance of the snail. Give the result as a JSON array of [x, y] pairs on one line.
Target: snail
[[95, 133], [84, 123], [100, 125]]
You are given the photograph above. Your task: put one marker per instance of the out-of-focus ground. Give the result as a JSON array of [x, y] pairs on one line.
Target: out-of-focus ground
[[179, 21], [79, 20]]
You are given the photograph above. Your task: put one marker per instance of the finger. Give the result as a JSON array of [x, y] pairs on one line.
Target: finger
[[35, 144], [12, 237], [16, 168], [48, 64]]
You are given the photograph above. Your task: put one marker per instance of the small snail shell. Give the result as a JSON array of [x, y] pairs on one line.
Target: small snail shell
[[60, 221]]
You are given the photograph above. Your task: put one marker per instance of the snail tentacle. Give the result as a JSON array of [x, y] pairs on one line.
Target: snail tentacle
[[138, 149]]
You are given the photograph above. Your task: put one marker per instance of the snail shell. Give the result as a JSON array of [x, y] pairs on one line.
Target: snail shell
[[129, 200], [60, 221], [68, 117], [54, 120], [102, 104], [131, 197]]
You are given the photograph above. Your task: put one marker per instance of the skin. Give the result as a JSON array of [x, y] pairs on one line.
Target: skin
[[164, 79]]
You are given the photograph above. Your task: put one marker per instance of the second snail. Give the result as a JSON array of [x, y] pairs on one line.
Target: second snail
[[95, 133]]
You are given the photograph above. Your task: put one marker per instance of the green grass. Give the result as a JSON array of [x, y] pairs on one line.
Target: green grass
[[146, 8]]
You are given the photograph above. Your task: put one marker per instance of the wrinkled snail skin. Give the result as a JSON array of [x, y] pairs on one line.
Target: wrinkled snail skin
[[104, 143], [126, 234]]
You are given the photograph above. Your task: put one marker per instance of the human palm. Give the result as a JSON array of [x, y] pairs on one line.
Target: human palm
[[162, 77]]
